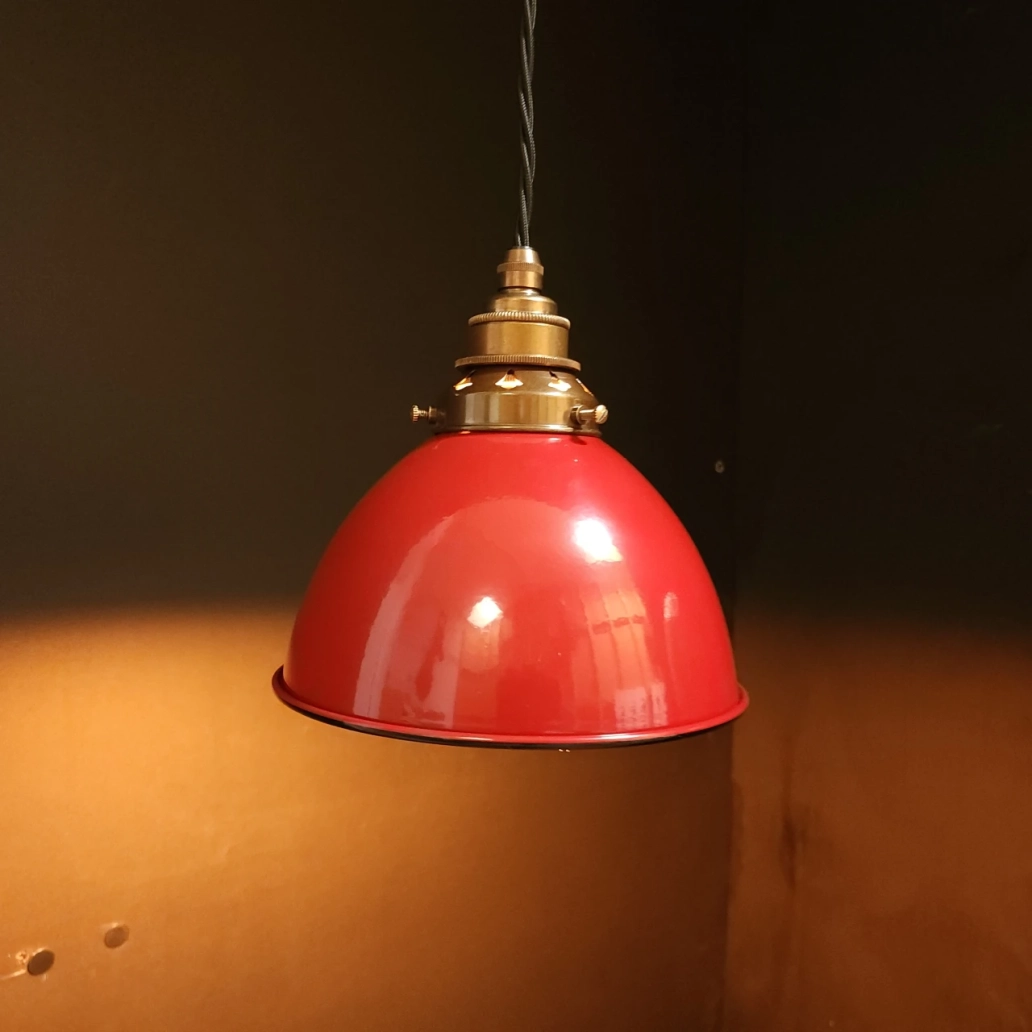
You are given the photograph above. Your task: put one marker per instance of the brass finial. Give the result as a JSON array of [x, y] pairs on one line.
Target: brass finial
[[522, 268]]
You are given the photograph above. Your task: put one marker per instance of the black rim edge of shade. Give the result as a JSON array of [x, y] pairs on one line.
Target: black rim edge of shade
[[482, 744]]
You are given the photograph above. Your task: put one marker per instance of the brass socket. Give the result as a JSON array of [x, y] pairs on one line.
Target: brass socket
[[518, 374]]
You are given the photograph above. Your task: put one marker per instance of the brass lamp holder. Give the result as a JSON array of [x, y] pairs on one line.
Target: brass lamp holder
[[518, 374]]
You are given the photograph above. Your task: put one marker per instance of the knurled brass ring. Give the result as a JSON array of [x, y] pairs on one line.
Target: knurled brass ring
[[520, 267], [518, 315], [549, 361]]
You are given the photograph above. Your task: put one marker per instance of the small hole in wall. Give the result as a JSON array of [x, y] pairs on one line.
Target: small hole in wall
[[40, 962]]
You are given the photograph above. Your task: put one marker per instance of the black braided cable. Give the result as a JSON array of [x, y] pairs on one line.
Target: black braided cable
[[528, 154]]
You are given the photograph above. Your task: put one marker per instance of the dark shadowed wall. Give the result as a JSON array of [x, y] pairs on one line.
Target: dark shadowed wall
[[239, 240], [882, 878]]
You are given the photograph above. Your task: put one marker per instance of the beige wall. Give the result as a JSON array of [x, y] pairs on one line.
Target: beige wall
[[277, 873]]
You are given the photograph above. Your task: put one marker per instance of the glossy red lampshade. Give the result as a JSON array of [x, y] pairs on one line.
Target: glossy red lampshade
[[520, 589]]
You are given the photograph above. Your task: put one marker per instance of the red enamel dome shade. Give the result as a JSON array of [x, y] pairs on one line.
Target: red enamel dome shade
[[514, 581], [516, 589]]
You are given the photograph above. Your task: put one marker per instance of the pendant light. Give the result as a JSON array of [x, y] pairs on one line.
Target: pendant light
[[513, 581]]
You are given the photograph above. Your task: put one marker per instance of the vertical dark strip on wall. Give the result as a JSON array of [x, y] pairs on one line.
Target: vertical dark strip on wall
[[886, 519]]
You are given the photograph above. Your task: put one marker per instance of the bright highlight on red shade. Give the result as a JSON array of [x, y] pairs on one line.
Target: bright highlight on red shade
[[518, 589]]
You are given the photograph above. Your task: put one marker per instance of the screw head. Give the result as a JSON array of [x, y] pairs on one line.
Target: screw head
[[582, 416], [430, 414]]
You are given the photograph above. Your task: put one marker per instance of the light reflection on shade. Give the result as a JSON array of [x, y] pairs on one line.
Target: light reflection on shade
[[484, 612], [592, 537], [670, 606], [641, 706]]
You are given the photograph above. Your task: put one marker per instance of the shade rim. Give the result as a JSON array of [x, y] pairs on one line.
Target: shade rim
[[468, 738]]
